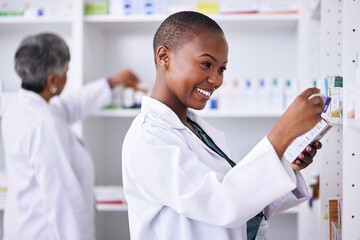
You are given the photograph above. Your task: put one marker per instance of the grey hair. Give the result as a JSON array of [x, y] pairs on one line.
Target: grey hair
[[37, 57]]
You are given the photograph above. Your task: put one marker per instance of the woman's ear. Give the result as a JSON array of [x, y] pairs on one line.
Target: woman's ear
[[162, 56], [52, 82]]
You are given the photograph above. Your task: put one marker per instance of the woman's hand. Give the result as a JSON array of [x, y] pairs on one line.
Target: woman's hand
[[306, 157], [126, 78], [301, 116]]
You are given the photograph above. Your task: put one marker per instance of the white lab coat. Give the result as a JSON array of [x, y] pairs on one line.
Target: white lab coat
[[179, 189], [51, 175]]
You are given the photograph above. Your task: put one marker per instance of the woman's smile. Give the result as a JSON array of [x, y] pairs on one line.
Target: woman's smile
[[204, 93]]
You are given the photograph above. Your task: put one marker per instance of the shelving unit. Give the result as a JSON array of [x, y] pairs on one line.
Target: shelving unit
[[219, 18], [331, 56], [32, 20], [339, 177], [351, 128], [119, 113], [261, 45], [352, 123]]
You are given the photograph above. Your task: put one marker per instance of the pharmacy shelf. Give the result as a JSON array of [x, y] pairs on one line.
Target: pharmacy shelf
[[315, 9], [100, 207], [116, 113], [256, 17], [238, 114], [120, 113], [216, 17], [293, 210], [112, 207], [123, 19], [353, 123], [32, 20], [335, 120]]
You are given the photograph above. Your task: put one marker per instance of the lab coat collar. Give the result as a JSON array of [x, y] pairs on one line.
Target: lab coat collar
[[153, 106], [33, 97], [159, 109]]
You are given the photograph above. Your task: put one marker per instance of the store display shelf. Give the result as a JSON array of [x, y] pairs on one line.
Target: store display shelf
[[216, 17], [32, 20], [100, 207], [315, 9], [124, 19], [238, 114], [293, 210], [112, 207], [335, 120], [353, 123], [205, 113], [116, 113]]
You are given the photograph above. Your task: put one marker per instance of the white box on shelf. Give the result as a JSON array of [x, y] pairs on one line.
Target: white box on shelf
[[238, 6], [278, 6], [106, 194]]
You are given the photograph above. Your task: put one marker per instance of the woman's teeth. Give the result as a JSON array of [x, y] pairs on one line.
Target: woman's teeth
[[203, 92]]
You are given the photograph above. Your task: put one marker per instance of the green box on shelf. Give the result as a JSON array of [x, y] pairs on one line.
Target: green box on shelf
[[96, 8], [11, 13]]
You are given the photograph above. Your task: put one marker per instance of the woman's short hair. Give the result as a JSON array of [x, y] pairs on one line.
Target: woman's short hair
[[179, 28], [37, 57]]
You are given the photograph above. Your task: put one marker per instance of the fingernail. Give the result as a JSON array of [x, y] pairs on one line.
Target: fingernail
[[301, 156], [308, 148]]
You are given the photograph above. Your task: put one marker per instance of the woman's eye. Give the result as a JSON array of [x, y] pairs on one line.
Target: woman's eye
[[222, 69], [206, 64]]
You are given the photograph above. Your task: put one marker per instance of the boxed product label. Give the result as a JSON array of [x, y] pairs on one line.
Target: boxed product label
[[300, 143]]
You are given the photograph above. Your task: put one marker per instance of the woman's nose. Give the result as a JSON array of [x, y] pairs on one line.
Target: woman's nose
[[215, 80]]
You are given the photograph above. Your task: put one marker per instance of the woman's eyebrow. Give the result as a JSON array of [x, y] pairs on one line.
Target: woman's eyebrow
[[210, 56]]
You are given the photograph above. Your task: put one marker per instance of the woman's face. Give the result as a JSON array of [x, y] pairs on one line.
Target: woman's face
[[196, 69]]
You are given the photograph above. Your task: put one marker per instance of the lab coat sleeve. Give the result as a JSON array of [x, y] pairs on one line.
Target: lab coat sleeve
[[295, 197], [74, 106], [167, 172], [60, 190]]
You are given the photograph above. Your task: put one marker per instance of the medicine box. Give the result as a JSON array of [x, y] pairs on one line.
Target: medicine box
[[300, 143], [326, 100]]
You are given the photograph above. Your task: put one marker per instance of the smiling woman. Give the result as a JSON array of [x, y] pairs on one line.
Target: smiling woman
[[195, 71], [181, 180]]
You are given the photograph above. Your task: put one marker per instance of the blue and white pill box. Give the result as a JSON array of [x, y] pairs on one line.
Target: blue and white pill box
[[325, 98]]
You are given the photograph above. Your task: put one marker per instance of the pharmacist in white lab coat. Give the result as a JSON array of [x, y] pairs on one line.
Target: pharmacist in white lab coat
[[179, 184], [51, 176]]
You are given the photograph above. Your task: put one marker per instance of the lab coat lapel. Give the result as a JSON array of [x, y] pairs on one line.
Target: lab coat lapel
[[217, 136], [159, 109]]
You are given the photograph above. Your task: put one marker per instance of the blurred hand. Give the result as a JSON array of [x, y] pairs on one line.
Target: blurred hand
[[126, 78], [306, 157], [301, 116]]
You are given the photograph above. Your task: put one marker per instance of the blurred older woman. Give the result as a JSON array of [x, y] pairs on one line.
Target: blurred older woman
[[50, 171]]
